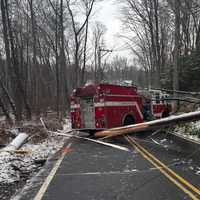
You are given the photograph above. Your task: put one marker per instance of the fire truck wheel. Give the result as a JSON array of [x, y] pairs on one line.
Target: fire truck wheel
[[165, 114], [91, 133], [128, 120]]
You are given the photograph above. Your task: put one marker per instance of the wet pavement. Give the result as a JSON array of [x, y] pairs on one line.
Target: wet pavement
[[91, 171]]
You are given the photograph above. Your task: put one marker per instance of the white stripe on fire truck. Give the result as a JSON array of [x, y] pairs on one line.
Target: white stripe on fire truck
[[73, 106], [119, 103], [113, 103], [117, 95], [157, 114]]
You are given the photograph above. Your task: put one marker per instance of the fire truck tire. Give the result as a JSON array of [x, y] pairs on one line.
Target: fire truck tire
[[129, 119], [91, 132], [165, 114]]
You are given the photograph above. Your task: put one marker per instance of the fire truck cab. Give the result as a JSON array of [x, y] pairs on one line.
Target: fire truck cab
[[102, 106], [160, 106]]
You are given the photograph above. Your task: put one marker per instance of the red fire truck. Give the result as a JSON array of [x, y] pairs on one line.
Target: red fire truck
[[102, 106]]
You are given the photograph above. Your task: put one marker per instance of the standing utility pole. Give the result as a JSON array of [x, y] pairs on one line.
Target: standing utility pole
[[99, 60]]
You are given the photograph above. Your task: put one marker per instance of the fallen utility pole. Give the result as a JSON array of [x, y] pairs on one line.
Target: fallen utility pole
[[17, 142], [151, 125]]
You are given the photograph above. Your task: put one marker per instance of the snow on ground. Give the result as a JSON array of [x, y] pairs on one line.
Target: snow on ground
[[190, 131], [15, 167], [67, 125]]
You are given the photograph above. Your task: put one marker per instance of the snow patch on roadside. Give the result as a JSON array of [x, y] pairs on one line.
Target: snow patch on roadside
[[14, 167], [190, 131], [67, 124]]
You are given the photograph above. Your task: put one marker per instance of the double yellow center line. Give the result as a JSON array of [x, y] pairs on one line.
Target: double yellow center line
[[192, 191]]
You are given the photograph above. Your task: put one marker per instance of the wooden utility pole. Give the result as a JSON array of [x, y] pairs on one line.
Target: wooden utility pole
[[151, 125], [99, 60]]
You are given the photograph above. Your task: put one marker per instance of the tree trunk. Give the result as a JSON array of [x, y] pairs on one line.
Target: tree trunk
[[64, 87], [177, 46], [12, 105], [84, 54], [35, 65], [20, 93], [5, 111]]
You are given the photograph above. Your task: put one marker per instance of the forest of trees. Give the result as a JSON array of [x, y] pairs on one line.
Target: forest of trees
[[49, 47], [165, 37]]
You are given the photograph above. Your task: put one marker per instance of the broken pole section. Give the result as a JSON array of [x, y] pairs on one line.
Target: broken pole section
[[17, 142], [151, 125]]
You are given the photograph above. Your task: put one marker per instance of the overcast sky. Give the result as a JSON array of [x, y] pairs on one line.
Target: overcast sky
[[108, 12]]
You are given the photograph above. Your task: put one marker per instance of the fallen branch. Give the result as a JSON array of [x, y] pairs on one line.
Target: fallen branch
[[66, 134], [43, 123], [92, 140]]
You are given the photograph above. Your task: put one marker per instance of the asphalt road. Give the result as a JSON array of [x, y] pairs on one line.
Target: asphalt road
[[91, 171]]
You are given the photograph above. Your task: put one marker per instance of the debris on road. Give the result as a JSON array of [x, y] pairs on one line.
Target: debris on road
[[92, 140]]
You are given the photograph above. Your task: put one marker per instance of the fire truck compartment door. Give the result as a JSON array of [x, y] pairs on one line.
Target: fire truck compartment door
[[87, 112]]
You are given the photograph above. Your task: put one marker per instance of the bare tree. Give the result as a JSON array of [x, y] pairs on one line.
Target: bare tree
[[77, 29]]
